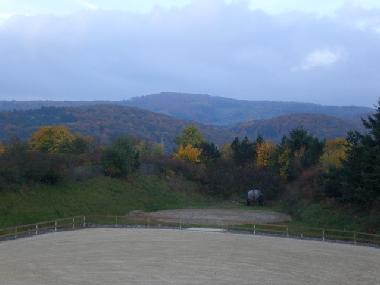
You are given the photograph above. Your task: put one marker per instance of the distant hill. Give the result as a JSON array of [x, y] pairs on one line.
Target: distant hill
[[32, 105], [224, 111], [274, 129], [104, 122], [205, 109]]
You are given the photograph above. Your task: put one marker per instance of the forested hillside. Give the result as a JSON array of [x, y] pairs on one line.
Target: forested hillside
[[106, 122], [321, 126], [225, 111], [205, 109], [32, 105]]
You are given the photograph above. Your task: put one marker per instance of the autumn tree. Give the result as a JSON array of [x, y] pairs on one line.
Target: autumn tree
[[190, 136], [226, 151], [188, 153], [284, 161], [188, 143], [58, 139], [264, 154], [334, 153]]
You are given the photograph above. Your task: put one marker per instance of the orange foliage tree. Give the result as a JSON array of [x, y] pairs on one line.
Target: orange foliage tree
[[188, 153], [57, 139]]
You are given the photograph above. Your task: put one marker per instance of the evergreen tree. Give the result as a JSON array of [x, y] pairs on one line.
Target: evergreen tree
[[244, 152], [361, 170], [209, 152], [298, 151]]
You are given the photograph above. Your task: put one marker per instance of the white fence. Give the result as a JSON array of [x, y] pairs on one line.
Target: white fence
[[80, 222]]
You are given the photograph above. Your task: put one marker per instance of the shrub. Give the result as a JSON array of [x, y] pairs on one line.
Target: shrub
[[120, 159]]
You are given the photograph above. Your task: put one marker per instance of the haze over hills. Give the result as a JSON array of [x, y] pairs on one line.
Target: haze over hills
[[225, 111]]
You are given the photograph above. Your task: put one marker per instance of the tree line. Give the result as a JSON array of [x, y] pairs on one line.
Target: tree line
[[301, 166]]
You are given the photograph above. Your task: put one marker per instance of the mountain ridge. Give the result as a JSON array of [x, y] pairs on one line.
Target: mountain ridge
[[106, 122], [206, 109], [216, 110]]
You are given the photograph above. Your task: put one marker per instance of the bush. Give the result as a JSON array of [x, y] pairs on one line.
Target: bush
[[20, 166], [120, 159]]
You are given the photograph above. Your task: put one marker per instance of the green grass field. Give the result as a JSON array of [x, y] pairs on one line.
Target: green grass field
[[99, 196], [107, 196]]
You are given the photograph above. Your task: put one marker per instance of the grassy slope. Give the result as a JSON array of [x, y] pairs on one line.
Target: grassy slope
[[330, 216], [98, 196], [106, 196]]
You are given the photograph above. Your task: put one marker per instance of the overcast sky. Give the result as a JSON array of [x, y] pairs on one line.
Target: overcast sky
[[325, 51]]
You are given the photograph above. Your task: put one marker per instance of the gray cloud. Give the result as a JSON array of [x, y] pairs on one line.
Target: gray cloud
[[215, 48]]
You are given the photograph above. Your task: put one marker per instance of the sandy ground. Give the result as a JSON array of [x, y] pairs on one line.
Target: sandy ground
[[216, 216], [151, 256]]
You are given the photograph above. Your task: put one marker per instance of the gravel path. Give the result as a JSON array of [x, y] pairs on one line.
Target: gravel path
[[147, 256], [218, 216]]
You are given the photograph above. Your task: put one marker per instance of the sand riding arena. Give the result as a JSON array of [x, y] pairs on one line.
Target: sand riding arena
[[133, 255]]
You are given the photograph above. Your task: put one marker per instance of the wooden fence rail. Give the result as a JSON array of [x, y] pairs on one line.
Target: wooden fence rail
[[80, 222]]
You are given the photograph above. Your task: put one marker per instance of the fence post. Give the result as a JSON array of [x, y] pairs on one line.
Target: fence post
[[36, 229], [73, 223], [287, 231], [254, 229], [15, 232], [55, 225], [84, 221], [323, 235], [180, 223]]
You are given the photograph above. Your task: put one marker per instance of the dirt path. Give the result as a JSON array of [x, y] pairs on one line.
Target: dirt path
[[217, 216]]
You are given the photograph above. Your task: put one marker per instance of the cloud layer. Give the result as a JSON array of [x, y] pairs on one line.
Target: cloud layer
[[206, 47], [318, 59]]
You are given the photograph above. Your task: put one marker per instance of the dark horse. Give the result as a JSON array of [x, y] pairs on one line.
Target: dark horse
[[255, 196]]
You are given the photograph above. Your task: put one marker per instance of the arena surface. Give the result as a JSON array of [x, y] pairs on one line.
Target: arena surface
[[152, 256]]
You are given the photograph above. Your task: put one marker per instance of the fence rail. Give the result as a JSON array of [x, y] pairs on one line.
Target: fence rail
[[101, 221]]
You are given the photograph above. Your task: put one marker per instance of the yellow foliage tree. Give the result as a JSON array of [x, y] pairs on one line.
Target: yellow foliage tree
[[264, 152], [284, 163], [190, 135], [188, 153], [226, 151], [334, 153], [53, 139]]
